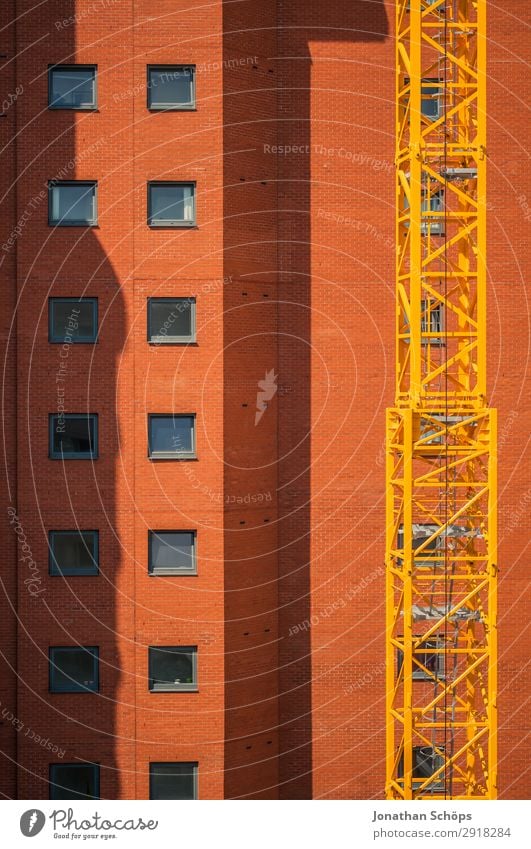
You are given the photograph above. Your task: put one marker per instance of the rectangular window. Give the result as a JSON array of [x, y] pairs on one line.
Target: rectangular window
[[171, 87], [172, 668], [439, 430], [73, 552], [431, 321], [173, 781], [72, 320], [72, 204], [74, 436], [428, 657], [432, 205], [431, 97], [171, 437], [74, 669], [172, 553], [171, 204], [171, 320], [72, 87], [75, 781], [421, 533], [426, 761]]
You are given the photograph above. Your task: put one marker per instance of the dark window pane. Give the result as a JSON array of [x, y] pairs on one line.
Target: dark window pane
[[172, 668], [74, 552], [72, 203], [73, 669], [73, 436], [74, 781], [171, 203], [72, 88], [425, 762], [170, 319], [173, 781], [171, 435], [171, 88], [172, 551], [73, 320], [430, 101]]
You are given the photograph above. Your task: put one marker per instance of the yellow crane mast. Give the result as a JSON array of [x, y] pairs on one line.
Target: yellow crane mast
[[441, 435]]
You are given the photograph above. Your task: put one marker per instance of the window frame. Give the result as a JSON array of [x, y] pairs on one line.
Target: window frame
[[52, 667], [192, 687], [73, 67], [170, 107], [171, 570], [438, 785], [426, 83], [172, 340], [171, 223], [94, 764], [85, 340], [173, 455], [434, 642], [195, 775], [56, 572], [429, 225], [426, 562], [427, 309], [71, 455], [54, 184]]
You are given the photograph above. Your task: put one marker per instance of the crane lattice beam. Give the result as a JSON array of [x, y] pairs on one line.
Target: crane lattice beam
[[441, 434]]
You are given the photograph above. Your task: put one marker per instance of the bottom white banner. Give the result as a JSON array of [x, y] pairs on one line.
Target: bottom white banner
[[261, 824]]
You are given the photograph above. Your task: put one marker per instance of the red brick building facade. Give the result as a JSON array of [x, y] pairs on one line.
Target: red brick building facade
[[291, 148]]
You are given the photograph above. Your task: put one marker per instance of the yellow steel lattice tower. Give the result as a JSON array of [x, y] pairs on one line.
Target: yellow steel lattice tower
[[441, 435]]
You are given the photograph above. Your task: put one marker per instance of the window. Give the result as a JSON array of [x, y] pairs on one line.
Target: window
[[171, 320], [74, 669], [431, 204], [74, 436], [73, 552], [173, 781], [426, 761], [72, 87], [172, 553], [431, 321], [432, 660], [431, 97], [72, 204], [420, 534], [72, 320], [171, 87], [172, 668], [75, 781], [171, 437], [171, 204], [431, 101], [439, 430]]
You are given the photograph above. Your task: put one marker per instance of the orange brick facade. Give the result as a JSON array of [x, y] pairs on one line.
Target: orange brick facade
[[291, 263]]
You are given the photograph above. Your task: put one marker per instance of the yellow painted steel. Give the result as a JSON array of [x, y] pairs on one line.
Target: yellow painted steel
[[441, 434]]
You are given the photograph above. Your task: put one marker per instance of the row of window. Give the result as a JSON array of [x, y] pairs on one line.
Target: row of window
[[168, 87], [179, 780], [171, 88], [74, 436], [75, 320], [74, 203], [76, 552], [75, 669], [167, 780]]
